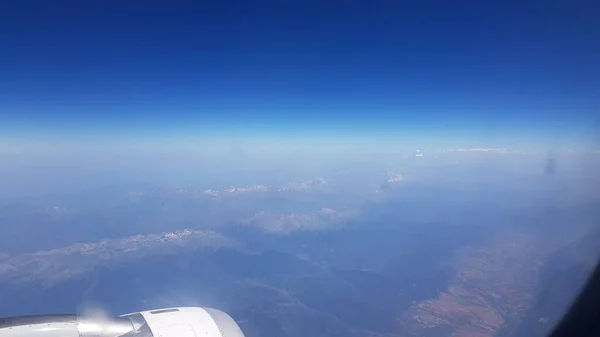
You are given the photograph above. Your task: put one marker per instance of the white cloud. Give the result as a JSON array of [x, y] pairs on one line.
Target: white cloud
[[487, 150]]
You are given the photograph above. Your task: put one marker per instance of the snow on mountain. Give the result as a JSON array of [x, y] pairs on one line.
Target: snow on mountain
[[289, 187], [56, 264], [395, 178], [287, 222]]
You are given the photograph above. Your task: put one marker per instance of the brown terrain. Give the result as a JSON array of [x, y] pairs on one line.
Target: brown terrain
[[492, 286]]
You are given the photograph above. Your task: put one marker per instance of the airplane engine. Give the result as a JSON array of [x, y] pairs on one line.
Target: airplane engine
[[171, 322]]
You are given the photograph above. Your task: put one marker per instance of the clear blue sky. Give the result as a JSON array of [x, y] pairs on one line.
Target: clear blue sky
[[523, 70]]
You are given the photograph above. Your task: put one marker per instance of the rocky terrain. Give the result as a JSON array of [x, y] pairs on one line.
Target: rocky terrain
[[493, 286], [414, 258], [60, 264], [490, 287]]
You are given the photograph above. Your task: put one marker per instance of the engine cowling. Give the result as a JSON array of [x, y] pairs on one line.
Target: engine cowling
[[170, 322]]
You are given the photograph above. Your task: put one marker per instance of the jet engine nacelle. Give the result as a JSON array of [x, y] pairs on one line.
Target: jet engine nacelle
[[171, 322]]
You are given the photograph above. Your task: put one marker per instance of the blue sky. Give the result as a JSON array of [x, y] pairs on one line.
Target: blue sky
[[487, 73]]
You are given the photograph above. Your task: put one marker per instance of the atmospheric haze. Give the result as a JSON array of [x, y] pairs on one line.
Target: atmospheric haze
[[333, 168]]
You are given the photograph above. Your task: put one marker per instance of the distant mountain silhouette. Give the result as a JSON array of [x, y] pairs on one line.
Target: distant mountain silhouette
[[271, 291]]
